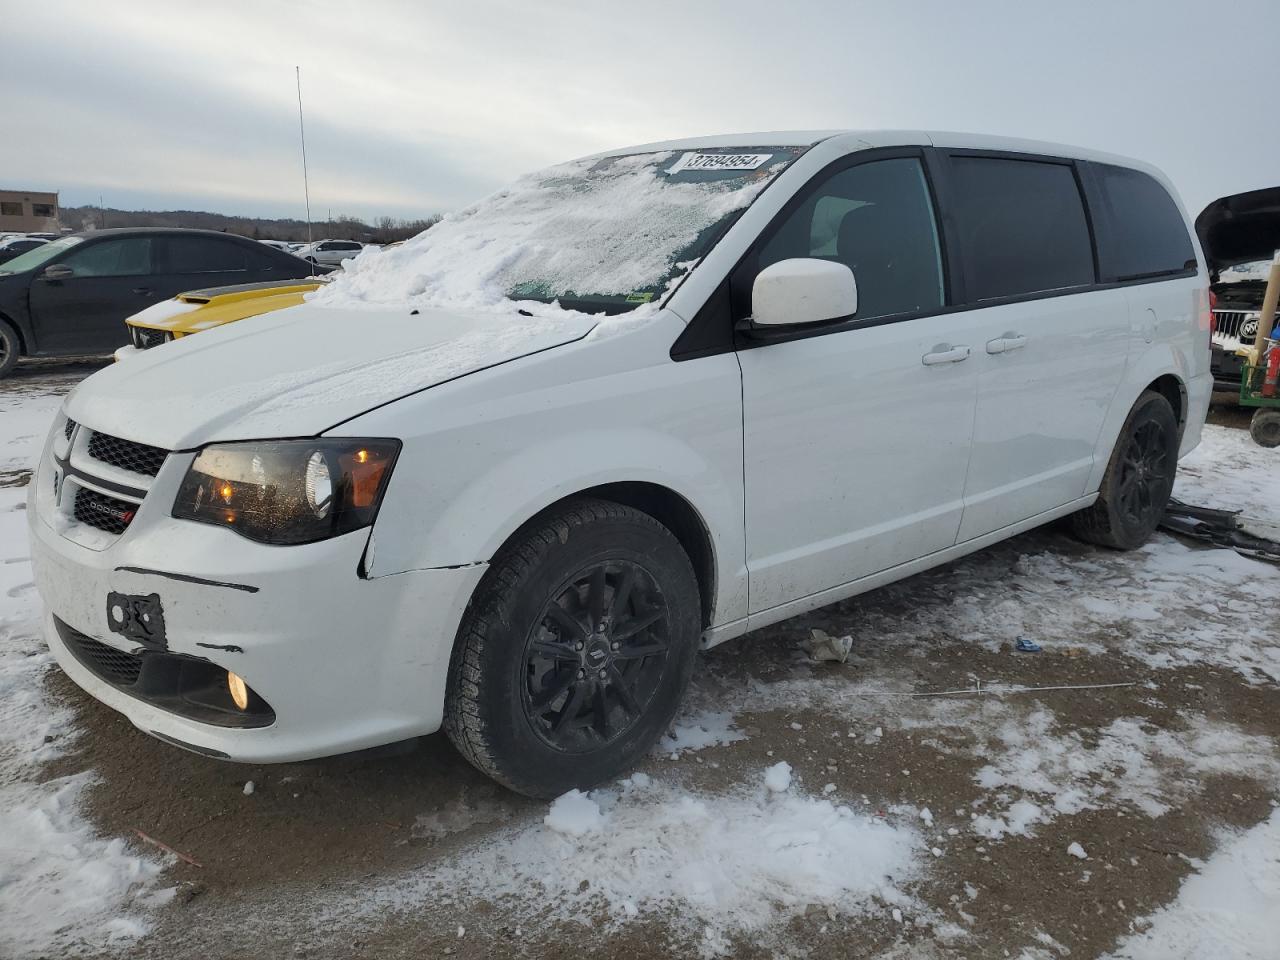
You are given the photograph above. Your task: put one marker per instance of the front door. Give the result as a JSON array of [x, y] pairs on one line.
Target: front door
[[856, 438], [84, 313]]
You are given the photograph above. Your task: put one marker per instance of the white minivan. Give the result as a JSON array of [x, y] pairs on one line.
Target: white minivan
[[509, 477]]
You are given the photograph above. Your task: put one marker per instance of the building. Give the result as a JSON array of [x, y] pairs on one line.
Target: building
[[28, 211]]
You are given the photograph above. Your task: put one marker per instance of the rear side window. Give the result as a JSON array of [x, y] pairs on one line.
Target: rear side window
[[1145, 235], [1022, 227], [205, 255]]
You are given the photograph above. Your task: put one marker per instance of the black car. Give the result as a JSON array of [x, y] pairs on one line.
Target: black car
[[70, 297], [1236, 231]]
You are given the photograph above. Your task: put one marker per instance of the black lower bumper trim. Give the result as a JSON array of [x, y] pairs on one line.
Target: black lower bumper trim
[[190, 747], [190, 687]]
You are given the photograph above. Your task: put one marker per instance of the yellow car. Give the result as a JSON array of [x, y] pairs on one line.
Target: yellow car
[[197, 310]]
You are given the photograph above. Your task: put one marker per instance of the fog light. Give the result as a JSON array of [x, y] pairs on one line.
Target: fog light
[[239, 691]]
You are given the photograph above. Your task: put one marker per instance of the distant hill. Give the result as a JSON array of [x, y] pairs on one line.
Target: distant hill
[[385, 230]]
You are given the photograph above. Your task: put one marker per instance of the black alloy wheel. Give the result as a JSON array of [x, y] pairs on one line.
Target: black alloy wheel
[[595, 657]]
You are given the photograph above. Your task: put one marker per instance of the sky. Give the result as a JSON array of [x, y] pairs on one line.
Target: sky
[[414, 108]]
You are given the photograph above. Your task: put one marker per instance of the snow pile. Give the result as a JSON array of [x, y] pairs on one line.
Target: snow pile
[[1228, 910], [585, 227], [725, 863], [574, 814], [62, 887]]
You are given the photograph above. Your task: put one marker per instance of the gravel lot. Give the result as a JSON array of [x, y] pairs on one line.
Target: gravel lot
[[913, 825]]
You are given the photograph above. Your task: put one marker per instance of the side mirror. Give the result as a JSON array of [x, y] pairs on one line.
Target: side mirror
[[57, 271], [803, 290]]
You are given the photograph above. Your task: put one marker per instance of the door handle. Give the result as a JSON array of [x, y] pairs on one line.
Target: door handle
[[142, 291], [945, 353], [1010, 341]]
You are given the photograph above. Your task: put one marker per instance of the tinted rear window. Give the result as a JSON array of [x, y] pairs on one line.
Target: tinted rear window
[[1145, 234], [205, 255], [1022, 227]]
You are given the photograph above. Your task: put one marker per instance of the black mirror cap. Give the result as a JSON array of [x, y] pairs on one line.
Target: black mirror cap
[[1240, 228]]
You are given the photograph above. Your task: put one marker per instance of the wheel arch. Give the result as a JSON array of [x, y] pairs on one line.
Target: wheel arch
[[24, 348], [1158, 370], [669, 508]]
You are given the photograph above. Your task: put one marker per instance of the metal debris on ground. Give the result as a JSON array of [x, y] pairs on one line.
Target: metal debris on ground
[[1224, 528], [822, 646], [1026, 646]]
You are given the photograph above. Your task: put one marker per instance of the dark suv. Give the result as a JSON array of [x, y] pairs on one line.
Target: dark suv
[[1239, 235], [70, 297]]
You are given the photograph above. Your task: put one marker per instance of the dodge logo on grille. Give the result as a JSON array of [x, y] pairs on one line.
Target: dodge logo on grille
[[108, 511]]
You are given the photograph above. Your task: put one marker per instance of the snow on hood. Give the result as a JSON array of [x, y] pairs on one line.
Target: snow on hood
[[298, 372]]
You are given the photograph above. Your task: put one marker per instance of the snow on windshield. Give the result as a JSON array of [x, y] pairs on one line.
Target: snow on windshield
[[595, 235]]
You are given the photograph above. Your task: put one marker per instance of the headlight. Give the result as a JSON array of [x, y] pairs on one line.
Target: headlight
[[288, 491]]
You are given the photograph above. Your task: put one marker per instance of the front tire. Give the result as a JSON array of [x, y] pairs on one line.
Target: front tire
[[575, 651], [10, 349], [1139, 480]]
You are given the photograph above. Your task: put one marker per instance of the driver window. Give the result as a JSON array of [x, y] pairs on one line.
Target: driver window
[[124, 257], [877, 219]]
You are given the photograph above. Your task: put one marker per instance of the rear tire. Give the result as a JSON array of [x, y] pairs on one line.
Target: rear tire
[[1265, 427], [575, 651], [1139, 478], [10, 349]]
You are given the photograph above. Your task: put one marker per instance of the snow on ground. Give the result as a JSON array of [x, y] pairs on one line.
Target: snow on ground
[[718, 864], [63, 888], [1226, 910], [1231, 472]]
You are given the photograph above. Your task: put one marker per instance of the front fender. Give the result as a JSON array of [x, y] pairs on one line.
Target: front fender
[[485, 453]]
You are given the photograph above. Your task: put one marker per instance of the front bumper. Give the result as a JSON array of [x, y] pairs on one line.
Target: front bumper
[[345, 662]]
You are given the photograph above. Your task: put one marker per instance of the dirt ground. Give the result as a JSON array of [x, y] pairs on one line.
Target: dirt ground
[[329, 829]]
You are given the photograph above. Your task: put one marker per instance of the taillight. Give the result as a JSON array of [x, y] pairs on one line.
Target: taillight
[[1213, 317]]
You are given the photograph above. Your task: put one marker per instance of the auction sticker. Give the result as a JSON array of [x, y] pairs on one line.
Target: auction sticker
[[718, 161]]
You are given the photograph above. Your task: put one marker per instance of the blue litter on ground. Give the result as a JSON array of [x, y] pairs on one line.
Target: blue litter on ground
[[1026, 646]]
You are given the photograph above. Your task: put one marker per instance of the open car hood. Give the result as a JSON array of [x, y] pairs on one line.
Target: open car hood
[[300, 371], [1240, 228]]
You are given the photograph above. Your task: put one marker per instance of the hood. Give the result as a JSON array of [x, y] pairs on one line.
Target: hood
[[300, 371], [1240, 228]]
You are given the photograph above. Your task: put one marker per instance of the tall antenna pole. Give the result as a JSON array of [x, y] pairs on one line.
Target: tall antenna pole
[[306, 188]]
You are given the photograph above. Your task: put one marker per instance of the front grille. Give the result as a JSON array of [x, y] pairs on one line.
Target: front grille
[[127, 455], [145, 339], [1229, 324], [68, 428], [114, 666], [106, 513]]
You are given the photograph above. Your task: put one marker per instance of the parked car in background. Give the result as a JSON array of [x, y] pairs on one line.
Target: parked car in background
[[284, 245], [1239, 234], [198, 310], [509, 478], [329, 252], [71, 296], [11, 247]]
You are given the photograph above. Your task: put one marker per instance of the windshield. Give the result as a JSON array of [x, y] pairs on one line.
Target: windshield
[[597, 235], [39, 256]]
